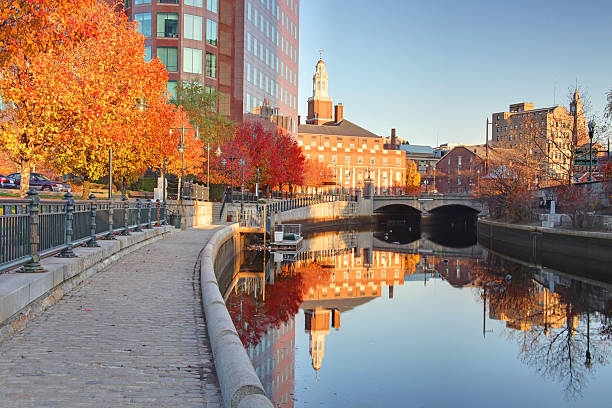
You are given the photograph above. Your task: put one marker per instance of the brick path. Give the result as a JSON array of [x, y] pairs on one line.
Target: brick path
[[133, 335]]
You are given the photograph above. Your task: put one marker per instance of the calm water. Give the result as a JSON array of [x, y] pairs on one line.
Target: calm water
[[392, 318]]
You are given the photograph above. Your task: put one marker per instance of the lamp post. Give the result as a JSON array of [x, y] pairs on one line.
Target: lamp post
[[181, 149], [241, 162], [591, 134], [231, 159]]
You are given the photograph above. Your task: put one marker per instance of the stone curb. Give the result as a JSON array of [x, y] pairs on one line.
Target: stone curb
[[23, 296], [240, 385], [558, 231]]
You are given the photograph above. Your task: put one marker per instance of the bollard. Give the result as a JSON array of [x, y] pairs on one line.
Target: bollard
[[126, 229], [34, 265], [67, 252], [148, 208], [138, 207], [158, 206], [92, 223], [111, 230], [164, 213]]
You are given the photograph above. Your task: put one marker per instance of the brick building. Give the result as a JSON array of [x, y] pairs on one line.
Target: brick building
[[459, 171], [352, 152], [550, 134], [247, 50]]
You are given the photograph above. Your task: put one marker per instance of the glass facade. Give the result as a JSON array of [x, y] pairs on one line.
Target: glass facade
[[169, 57], [271, 61], [211, 32], [168, 25], [193, 27], [144, 23]]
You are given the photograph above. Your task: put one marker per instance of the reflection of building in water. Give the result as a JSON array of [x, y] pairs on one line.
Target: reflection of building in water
[[537, 307], [456, 271], [355, 277], [274, 361]]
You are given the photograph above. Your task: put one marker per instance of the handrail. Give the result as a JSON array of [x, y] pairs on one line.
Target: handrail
[[32, 228]]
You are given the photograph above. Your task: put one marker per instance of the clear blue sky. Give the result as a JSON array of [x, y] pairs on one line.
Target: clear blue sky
[[439, 67]]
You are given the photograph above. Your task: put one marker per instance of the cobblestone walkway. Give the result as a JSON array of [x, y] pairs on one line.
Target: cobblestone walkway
[[133, 335]]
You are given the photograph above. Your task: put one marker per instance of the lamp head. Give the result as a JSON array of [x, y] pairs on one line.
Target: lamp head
[[223, 162], [181, 148], [591, 128], [218, 152]]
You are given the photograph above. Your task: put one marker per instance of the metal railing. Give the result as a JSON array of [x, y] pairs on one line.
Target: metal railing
[[305, 201], [32, 228]]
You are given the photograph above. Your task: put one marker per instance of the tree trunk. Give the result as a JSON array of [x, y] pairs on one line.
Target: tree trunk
[[123, 187], [24, 186], [86, 189]]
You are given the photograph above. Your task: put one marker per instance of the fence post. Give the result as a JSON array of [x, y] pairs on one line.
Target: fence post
[[111, 213], [148, 226], [92, 223], [34, 265], [67, 252], [138, 206], [158, 206], [126, 217]]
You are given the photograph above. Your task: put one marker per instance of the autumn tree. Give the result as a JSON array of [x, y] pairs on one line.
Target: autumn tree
[[413, 178], [34, 36], [316, 174], [108, 76]]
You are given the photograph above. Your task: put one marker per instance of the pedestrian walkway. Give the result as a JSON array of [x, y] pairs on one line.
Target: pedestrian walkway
[[133, 335]]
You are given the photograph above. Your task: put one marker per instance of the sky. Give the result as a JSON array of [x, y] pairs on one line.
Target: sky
[[435, 69]]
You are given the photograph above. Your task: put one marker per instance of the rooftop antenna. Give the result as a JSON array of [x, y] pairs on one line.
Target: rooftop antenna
[[555, 94], [321, 51]]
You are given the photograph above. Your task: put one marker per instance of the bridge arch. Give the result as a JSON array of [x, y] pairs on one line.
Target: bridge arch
[[403, 209], [454, 209]]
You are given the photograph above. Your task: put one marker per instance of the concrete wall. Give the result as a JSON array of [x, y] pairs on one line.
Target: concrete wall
[[582, 253], [25, 296], [193, 213], [240, 385], [323, 211]]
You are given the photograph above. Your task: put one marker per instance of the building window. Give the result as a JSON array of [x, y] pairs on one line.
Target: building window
[[126, 4], [192, 60], [144, 23], [211, 32], [212, 5], [347, 159], [372, 161], [167, 25], [169, 57], [194, 3], [168, 1], [360, 160], [148, 53], [248, 72], [398, 162], [171, 89], [193, 27], [211, 65], [320, 158], [209, 90], [385, 162], [334, 159]]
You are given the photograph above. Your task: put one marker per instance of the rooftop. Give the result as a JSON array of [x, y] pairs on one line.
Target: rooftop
[[344, 128]]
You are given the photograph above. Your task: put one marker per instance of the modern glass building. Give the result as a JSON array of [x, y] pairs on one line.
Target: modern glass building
[[247, 50]]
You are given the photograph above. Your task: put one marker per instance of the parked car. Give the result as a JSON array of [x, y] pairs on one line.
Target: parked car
[[6, 182], [40, 182]]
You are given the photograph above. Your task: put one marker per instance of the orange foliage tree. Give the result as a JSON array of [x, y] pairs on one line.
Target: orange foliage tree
[[413, 178], [316, 174]]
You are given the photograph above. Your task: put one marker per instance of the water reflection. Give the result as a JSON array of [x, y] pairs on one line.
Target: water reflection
[[560, 324]]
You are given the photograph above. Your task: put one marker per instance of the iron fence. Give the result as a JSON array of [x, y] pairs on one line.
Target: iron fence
[[32, 228]]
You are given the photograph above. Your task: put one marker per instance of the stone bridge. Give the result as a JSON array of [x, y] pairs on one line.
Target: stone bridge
[[427, 203]]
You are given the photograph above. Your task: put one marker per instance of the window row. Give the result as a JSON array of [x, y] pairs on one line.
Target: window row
[[264, 25], [211, 5], [168, 26], [192, 60], [270, 86], [271, 60]]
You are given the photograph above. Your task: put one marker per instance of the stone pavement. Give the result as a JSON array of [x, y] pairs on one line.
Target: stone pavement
[[133, 335]]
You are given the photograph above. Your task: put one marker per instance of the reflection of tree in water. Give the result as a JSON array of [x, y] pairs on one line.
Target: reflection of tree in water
[[253, 315], [561, 334]]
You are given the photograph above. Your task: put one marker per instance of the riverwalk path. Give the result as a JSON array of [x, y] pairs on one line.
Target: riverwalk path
[[133, 335]]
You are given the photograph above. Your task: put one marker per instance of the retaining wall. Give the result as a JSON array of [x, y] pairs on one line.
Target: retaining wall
[[193, 213], [584, 253], [239, 383], [320, 212], [24, 296]]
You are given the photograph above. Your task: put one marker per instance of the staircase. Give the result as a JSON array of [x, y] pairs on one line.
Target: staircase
[[216, 208]]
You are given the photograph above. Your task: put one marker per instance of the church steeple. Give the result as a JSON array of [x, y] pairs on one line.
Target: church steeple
[[320, 105], [320, 81]]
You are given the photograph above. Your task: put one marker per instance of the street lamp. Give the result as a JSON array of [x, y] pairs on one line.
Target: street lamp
[[223, 162], [181, 149], [591, 134], [241, 162]]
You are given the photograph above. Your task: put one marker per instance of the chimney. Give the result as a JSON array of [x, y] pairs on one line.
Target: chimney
[[299, 120], [338, 113], [393, 137]]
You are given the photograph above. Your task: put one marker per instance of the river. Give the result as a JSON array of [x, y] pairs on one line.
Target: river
[[399, 315]]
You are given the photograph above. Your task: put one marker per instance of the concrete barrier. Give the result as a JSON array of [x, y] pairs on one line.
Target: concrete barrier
[[24, 296], [193, 213], [585, 253], [240, 385]]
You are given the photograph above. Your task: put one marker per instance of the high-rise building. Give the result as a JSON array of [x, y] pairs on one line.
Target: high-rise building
[[247, 50]]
